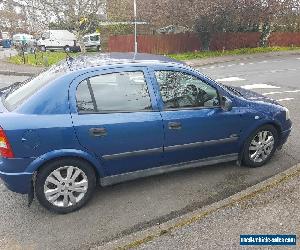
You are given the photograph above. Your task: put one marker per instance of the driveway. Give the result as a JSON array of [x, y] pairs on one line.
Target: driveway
[[128, 207]]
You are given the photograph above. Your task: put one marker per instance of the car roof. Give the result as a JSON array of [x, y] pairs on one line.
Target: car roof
[[114, 58]]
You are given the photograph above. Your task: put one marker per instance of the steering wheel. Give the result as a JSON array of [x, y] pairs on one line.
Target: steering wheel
[[196, 96]]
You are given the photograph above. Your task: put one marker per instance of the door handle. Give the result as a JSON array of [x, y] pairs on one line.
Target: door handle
[[174, 125], [98, 132]]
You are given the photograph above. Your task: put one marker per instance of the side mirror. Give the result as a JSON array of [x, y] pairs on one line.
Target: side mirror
[[226, 103]]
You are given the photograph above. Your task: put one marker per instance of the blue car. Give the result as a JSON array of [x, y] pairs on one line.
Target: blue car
[[115, 117]]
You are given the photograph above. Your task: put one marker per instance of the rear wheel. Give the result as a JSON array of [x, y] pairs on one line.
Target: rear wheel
[[67, 49], [43, 48], [260, 146], [65, 185]]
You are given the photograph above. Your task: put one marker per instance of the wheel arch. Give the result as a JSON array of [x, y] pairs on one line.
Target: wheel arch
[[39, 162], [273, 123]]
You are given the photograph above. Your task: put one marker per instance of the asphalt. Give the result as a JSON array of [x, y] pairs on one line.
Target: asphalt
[[126, 208], [270, 207]]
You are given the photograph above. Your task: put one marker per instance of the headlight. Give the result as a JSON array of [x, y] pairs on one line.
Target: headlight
[[287, 114]]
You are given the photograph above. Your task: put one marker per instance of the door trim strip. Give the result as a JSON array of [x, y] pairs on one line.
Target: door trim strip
[[201, 144], [110, 180], [169, 148], [133, 153]]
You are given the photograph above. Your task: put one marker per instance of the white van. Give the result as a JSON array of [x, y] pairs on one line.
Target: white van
[[57, 40], [92, 41], [23, 39]]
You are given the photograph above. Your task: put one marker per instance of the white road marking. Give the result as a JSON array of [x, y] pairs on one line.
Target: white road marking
[[242, 64], [230, 65], [263, 62], [231, 79], [260, 86], [276, 70], [281, 92], [251, 63], [212, 67], [285, 99]]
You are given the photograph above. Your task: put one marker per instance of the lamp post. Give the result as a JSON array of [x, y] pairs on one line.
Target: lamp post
[[135, 28]]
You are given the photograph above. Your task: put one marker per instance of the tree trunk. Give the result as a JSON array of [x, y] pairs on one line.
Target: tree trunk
[[266, 31], [205, 38], [79, 38]]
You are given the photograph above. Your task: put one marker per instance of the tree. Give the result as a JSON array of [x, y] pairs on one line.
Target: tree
[[75, 15], [11, 19]]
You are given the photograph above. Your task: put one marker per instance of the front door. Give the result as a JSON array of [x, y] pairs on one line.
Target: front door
[[118, 120], [195, 125]]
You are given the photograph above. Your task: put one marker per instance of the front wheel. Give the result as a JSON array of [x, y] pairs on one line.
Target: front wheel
[[260, 146], [65, 185], [43, 48]]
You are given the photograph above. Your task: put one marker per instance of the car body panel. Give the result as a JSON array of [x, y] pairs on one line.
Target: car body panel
[[125, 146], [47, 126]]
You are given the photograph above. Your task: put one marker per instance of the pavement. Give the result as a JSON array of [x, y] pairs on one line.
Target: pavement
[[270, 207], [121, 210]]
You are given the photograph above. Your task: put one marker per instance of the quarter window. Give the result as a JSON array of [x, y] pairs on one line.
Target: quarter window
[[117, 92], [181, 90]]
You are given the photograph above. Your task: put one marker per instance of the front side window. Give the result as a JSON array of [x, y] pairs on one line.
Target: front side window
[[181, 90], [46, 35], [116, 92], [94, 38]]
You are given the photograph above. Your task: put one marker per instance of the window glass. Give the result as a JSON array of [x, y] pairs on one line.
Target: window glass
[[126, 91], [46, 35], [18, 93], [94, 38], [181, 90], [84, 99]]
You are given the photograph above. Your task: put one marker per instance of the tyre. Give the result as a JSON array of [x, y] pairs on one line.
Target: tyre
[[99, 48], [43, 48], [67, 49], [65, 185], [260, 146]]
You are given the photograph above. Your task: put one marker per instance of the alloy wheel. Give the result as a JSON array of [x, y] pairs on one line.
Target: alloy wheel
[[261, 146], [66, 186]]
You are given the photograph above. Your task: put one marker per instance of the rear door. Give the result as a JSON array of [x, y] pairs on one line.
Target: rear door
[[117, 119]]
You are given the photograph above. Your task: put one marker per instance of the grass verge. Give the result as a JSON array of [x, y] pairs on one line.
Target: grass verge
[[41, 58], [243, 51]]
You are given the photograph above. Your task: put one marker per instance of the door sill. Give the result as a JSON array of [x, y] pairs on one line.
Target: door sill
[[114, 179]]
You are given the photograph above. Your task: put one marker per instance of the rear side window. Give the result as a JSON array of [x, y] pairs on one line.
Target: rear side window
[[116, 92], [18, 93]]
